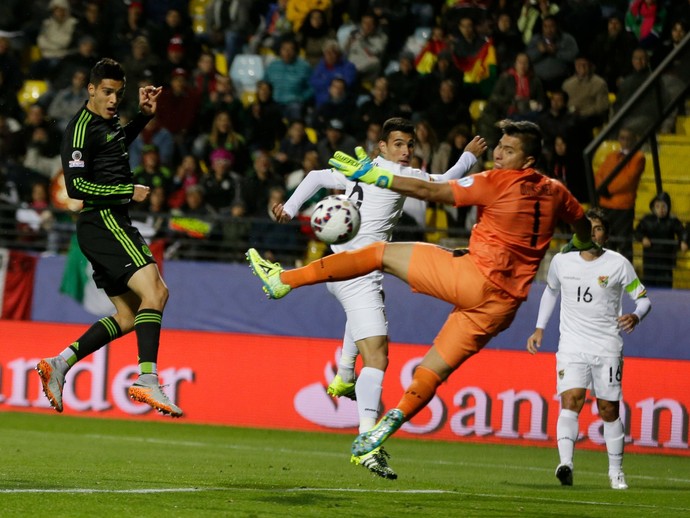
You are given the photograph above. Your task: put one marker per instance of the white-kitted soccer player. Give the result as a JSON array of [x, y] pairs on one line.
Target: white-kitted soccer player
[[366, 329], [590, 349]]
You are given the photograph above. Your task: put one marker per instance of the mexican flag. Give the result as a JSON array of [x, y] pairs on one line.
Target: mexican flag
[[17, 272], [78, 283]]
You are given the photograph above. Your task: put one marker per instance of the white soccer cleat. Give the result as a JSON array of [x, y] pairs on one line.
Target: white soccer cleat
[[618, 480]]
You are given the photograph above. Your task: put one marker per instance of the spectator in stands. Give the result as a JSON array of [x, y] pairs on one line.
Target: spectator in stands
[[180, 110], [379, 107], [223, 98], [565, 164], [645, 19], [335, 139], [443, 69], [141, 66], [96, 26], [67, 101], [9, 104], [54, 39], [588, 96], [661, 234], [519, 95], [273, 27], [339, 106], [205, 75], [34, 218], [153, 133], [10, 68], [41, 156], [612, 51], [222, 135], [186, 175], [228, 26], [507, 40], [265, 126], [313, 34], [332, 65], [618, 195], [679, 29], [474, 56], [582, 19], [83, 58], [222, 185], [152, 173], [366, 47], [50, 137], [555, 121], [257, 185], [175, 30], [129, 29], [426, 145], [370, 143], [552, 54], [451, 149], [269, 236], [292, 148], [293, 179], [427, 57], [403, 85], [289, 75], [532, 16], [177, 56], [448, 111]]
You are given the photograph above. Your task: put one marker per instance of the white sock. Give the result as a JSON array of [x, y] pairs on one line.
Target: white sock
[[368, 390], [567, 429], [614, 435], [348, 357]]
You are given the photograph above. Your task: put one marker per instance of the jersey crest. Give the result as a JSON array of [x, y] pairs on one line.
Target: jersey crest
[[603, 280]]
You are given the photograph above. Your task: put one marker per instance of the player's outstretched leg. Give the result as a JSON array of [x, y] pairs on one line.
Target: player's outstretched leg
[[151, 393], [52, 379], [376, 461], [368, 441], [269, 273]]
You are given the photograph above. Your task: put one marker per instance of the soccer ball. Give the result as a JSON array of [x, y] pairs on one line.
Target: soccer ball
[[335, 220]]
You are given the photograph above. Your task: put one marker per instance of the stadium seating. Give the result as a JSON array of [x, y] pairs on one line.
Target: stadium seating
[[31, 91], [246, 70]]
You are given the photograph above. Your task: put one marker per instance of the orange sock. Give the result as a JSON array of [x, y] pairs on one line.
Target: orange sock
[[337, 267], [420, 392]]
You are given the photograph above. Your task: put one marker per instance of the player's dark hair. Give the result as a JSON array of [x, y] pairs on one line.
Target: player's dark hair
[[528, 133], [598, 214], [396, 124], [106, 68]]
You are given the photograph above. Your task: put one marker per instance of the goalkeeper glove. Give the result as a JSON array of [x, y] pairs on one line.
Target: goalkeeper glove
[[361, 169], [575, 245]]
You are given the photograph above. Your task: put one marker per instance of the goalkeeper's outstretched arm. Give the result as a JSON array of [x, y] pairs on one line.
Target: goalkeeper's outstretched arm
[[439, 192]]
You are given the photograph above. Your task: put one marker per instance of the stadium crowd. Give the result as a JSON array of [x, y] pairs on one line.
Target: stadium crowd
[[226, 145]]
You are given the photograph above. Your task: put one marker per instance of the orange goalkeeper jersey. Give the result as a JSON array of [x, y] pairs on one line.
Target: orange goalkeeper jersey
[[517, 215]]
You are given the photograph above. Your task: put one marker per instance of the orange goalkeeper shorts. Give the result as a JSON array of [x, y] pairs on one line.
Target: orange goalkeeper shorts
[[481, 309]]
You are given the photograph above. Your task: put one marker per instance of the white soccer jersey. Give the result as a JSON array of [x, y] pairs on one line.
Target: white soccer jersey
[[591, 300]]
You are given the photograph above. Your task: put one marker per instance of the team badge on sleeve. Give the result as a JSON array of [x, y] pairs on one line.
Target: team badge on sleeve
[[76, 159], [466, 182]]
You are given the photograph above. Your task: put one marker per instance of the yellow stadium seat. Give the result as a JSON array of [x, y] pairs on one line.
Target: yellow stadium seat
[[221, 64], [30, 92], [197, 13], [476, 108], [248, 98], [311, 135]]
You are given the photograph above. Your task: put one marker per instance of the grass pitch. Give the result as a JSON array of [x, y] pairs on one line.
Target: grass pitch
[[53, 465]]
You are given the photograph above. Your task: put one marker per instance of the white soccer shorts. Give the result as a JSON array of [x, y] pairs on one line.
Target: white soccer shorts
[[362, 300], [602, 375]]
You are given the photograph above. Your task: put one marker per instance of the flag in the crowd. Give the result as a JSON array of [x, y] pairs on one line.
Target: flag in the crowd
[[17, 272], [78, 283], [481, 70]]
